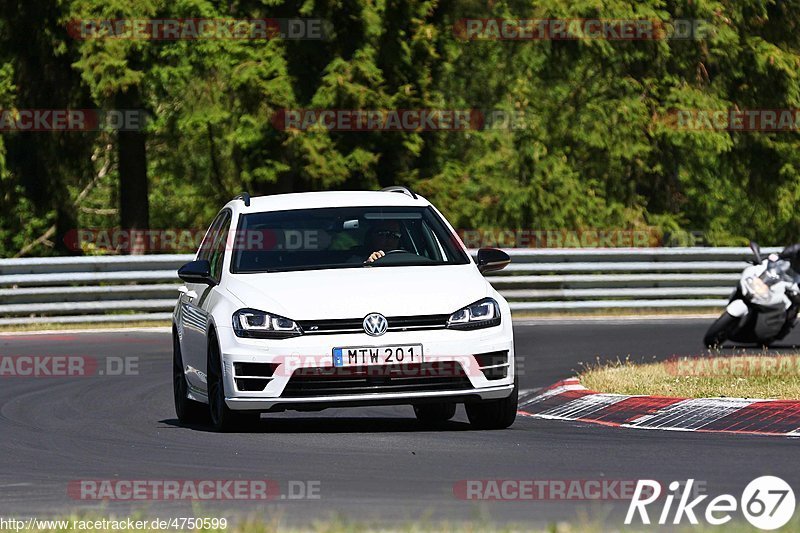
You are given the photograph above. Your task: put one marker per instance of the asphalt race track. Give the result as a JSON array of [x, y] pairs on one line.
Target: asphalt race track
[[370, 463]]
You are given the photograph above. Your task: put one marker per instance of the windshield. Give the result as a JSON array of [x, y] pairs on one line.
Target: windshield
[[343, 237]]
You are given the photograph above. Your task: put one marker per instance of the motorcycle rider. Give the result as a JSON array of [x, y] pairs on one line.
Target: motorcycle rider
[[791, 253], [767, 294]]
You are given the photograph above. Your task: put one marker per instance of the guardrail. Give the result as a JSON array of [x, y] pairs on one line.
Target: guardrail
[[144, 288]]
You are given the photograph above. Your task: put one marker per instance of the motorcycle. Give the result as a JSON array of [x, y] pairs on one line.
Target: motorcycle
[[763, 307]]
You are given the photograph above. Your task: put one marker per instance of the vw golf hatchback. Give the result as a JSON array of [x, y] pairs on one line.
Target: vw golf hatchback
[[333, 299]]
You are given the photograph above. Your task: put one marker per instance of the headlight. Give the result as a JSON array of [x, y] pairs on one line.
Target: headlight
[[260, 325], [758, 288], [482, 314]]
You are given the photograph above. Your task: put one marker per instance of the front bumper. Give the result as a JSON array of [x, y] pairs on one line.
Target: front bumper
[[322, 402], [449, 349]]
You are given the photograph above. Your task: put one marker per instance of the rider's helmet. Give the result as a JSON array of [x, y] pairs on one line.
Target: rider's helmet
[[792, 254]]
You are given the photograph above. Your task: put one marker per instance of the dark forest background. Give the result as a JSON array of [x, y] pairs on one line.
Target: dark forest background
[[594, 152]]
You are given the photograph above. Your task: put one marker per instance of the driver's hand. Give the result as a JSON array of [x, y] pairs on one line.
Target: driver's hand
[[374, 256]]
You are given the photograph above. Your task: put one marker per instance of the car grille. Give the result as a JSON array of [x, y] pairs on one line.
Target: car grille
[[355, 325], [416, 377]]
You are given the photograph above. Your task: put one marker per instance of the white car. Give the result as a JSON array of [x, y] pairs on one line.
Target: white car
[[331, 299]]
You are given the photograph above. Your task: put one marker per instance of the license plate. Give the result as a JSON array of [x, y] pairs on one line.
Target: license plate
[[377, 355]]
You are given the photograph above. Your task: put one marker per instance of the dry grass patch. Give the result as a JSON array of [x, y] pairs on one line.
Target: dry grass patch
[[26, 328], [748, 376]]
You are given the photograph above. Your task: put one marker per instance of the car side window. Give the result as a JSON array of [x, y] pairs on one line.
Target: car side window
[[207, 246], [220, 245]]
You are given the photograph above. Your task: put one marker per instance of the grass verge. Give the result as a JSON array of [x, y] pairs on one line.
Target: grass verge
[[617, 313], [738, 376], [25, 328]]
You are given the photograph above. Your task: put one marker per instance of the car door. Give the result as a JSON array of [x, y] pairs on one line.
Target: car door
[[194, 304]]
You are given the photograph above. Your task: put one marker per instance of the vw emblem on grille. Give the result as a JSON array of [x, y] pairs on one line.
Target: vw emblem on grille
[[375, 324]]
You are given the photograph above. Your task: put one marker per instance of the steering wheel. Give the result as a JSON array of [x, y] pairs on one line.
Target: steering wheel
[[395, 251]]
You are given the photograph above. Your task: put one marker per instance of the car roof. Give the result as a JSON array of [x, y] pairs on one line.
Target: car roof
[[312, 200]]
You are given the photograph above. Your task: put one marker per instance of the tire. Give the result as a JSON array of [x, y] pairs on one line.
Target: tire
[[494, 414], [188, 411], [435, 413], [224, 419], [719, 330]]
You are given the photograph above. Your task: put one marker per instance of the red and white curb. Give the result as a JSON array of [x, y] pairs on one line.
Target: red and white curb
[[569, 400]]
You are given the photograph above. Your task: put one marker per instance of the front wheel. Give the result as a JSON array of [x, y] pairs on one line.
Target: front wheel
[[223, 418], [720, 330], [494, 414]]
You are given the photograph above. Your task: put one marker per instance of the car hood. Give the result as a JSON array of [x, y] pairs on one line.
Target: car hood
[[356, 292]]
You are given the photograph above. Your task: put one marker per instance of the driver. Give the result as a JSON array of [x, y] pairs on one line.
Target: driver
[[382, 237]]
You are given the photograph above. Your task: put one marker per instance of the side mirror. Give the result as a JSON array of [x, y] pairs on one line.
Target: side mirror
[[491, 259], [197, 272], [756, 252]]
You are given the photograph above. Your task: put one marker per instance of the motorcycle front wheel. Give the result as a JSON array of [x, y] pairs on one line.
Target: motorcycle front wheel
[[719, 330]]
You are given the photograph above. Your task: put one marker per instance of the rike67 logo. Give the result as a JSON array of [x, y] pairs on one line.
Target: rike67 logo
[[767, 503]]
